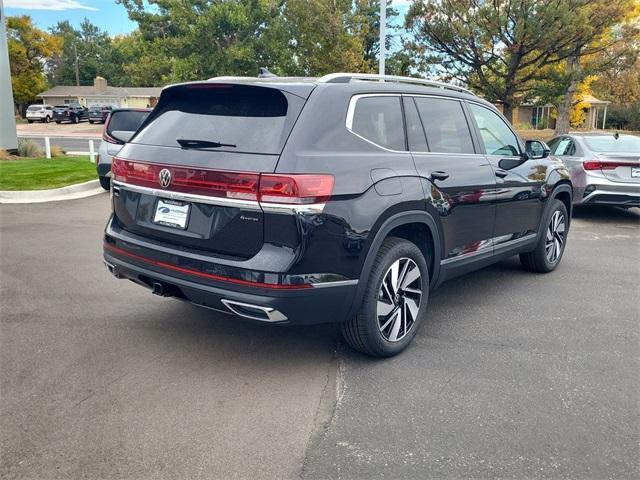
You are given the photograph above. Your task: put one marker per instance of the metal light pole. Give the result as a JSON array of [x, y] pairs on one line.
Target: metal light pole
[[8, 135], [383, 36]]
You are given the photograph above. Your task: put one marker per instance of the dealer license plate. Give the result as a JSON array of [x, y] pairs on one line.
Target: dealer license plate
[[171, 214]]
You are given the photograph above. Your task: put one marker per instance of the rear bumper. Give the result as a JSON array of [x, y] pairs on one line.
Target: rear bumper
[[617, 195], [237, 287]]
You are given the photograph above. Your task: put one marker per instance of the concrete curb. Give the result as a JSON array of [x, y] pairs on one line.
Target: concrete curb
[[79, 190]]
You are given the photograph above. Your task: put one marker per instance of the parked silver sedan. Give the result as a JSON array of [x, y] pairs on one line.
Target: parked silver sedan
[[605, 168]]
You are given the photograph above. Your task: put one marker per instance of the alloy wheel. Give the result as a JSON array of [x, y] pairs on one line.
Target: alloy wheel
[[399, 299], [555, 237]]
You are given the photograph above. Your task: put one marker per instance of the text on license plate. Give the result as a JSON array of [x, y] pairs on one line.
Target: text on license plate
[[172, 214]]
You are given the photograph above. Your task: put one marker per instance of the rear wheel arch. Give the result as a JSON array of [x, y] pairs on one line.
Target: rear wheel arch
[[410, 226]]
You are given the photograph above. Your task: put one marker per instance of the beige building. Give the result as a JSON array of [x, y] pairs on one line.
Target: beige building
[[532, 115], [102, 94]]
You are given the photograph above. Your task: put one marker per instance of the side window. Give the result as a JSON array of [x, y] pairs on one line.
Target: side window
[[445, 125], [379, 120], [564, 147], [497, 136], [415, 132]]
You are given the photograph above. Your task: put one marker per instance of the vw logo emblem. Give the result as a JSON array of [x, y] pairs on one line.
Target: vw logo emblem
[[164, 178]]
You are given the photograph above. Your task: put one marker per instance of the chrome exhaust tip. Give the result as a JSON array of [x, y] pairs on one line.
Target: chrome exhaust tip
[[112, 269], [254, 312]]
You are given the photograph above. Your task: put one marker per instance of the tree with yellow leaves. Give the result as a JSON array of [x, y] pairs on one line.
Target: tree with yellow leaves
[[29, 48]]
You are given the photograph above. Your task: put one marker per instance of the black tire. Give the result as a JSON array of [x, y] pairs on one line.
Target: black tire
[[47, 119], [76, 119], [546, 256], [58, 122], [364, 332], [91, 122], [30, 121], [105, 182]]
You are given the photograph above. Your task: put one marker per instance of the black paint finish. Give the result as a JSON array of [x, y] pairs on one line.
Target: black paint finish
[[478, 209]]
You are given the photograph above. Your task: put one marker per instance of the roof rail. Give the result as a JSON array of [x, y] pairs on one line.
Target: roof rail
[[347, 77]]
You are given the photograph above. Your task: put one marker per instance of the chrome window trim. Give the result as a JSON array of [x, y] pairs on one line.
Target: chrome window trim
[[352, 106]]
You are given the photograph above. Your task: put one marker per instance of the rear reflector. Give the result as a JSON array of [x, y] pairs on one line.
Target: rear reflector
[[605, 165], [291, 189], [201, 274]]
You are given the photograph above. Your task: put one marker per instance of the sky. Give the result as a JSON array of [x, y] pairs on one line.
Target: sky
[[106, 14]]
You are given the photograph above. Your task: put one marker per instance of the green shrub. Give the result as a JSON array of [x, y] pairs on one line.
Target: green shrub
[[29, 148], [624, 117]]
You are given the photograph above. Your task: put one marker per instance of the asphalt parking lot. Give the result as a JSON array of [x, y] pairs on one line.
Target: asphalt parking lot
[[514, 374]]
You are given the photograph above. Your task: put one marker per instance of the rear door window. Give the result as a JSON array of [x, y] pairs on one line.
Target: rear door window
[[241, 117], [445, 125], [379, 120]]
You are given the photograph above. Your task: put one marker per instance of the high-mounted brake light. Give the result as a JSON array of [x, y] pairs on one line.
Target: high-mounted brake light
[[604, 165], [289, 189]]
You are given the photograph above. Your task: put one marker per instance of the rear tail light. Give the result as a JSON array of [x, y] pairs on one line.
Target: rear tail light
[[604, 165], [291, 189], [295, 189]]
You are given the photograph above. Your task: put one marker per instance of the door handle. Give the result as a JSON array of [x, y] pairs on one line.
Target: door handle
[[501, 173], [439, 175]]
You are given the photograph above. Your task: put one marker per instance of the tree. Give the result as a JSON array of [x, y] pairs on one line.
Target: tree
[[85, 54], [499, 47], [608, 31], [29, 47]]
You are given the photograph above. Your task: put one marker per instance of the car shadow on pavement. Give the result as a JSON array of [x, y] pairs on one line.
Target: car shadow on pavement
[[207, 333]]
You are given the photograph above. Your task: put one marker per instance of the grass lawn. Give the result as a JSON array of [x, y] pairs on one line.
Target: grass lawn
[[41, 174]]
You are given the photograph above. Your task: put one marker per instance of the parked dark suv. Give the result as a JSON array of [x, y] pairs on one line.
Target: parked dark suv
[[99, 113], [72, 113], [338, 199]]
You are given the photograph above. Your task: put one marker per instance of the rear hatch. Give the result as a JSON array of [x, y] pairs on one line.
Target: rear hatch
[[617, 157], [189, 176], [60, 112]]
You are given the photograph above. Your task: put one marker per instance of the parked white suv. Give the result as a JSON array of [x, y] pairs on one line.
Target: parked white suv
[[41, 113]]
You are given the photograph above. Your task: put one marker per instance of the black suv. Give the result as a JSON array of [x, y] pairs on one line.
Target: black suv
[[73, 113], [345, 198], [99, 113]]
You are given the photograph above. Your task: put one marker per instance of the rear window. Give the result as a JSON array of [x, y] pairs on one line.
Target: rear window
[[606, 144], [242, 117], [34, 108], [126, 121]]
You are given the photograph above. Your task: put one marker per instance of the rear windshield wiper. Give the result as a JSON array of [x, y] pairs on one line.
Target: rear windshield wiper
[[188, 143]]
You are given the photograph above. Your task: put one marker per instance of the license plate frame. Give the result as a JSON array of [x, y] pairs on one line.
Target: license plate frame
[[635, 172], [171, 213]]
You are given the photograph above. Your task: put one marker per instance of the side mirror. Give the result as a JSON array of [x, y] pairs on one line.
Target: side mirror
[[122, 135], [537, 149]]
